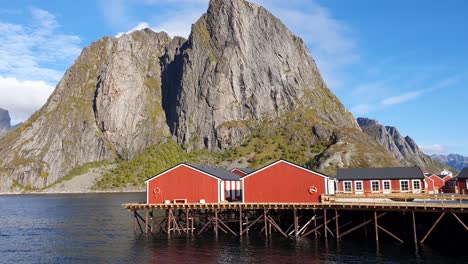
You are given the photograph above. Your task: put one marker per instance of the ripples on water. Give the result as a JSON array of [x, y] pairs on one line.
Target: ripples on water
[[93, 228]]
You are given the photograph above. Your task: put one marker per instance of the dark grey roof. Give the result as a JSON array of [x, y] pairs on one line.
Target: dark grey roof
[[218, 172], [380, 173], [246, 170], [463, 174]]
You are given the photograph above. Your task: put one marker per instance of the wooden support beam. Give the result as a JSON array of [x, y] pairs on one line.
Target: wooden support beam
[[315, 224], [318, 227], [376, 227], [138, 221], [226, 226], [240, 221], [303, 229], [276, 226], [432, 228], [252, 223], [187, 220], [459, 220], [169, 222], [216, 222], [337, 225], [146, 221], [325, 223], [361, 225], [246, 224], [296, 224], [205, 227], [414, 228], [265, 222], [390, 234]]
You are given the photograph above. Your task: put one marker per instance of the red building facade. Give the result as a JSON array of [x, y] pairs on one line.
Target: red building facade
[[362, 181], [284, 182], [189, 183]]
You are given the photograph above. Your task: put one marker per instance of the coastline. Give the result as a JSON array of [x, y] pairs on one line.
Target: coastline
[[72, 192]]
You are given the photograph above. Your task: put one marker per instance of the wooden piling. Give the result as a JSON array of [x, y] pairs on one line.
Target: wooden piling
[[325, 223], [296, 224], [266, 222], [337, 225], [146, 221], [376, 227], [240, 221], [216, 222], [414, 228]]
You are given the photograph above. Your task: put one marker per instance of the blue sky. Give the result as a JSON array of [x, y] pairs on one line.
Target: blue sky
[[400, 62]]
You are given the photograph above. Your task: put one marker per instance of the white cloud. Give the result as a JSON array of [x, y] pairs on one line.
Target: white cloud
[[365, 108], [33, 58], [139, 26], [434, 149], [22, 98]]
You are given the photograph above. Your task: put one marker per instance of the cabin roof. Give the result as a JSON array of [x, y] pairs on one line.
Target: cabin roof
[[463, 174], [217, 172], [394, 173]]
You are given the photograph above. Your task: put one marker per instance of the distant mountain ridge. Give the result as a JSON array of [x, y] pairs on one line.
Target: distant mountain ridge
[[453, 160], [404, 149]]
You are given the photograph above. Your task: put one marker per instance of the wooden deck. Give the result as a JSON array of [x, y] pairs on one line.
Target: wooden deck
[[387, 206]]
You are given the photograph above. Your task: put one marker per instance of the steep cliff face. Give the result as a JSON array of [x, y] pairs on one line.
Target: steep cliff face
[[404, 149], [241, 64], [5, 122], [107, 105]]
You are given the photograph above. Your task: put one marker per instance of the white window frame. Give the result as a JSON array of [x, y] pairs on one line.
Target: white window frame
[[344, 186], [401, 189], [378, 186], [356, 190], [389, 185], [416, 190]]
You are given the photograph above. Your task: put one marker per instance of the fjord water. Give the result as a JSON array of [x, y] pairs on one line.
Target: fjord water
[[93, 228]]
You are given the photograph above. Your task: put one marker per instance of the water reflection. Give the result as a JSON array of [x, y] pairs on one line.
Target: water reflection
[[93, 228]]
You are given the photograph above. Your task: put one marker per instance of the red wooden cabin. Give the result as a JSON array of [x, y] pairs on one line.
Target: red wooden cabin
[[363, 181], [284, 182], [429, 183], [192, 184], [458, 184]]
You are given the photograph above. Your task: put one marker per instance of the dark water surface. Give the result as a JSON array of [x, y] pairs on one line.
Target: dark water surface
[[93, 228]]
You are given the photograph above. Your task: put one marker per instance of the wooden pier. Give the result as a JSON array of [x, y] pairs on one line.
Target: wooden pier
[[334, 218]]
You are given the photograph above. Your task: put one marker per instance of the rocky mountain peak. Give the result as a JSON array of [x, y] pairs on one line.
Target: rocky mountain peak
[[402, 148], [5, 119]]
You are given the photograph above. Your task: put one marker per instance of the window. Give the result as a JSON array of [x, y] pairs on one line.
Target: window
[[358, 186], [416, 186], [404, 185], [387, 186], [375, 186], [347, 186]]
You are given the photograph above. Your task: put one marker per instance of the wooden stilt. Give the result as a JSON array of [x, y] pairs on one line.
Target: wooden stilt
[[432, 228], [325, 223], [276, 226], [152, 218], [337, 225], [240, 221], [187, 225], [146, 221], [192, 221], [390, 234], [266, 222], [376, 227], [216, 221], [252, 223], [315, 223], [296, 224], [169, 221], [246, 224], [414, 228], [459, 220], [134, 221], [361, 225], [318, 227]]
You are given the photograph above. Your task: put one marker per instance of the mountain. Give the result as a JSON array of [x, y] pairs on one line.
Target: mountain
[[5, 122], [404, 149], [453, 160], [242, 89]]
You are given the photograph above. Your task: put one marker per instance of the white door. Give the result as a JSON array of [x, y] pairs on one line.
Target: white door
[[331, 186]]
